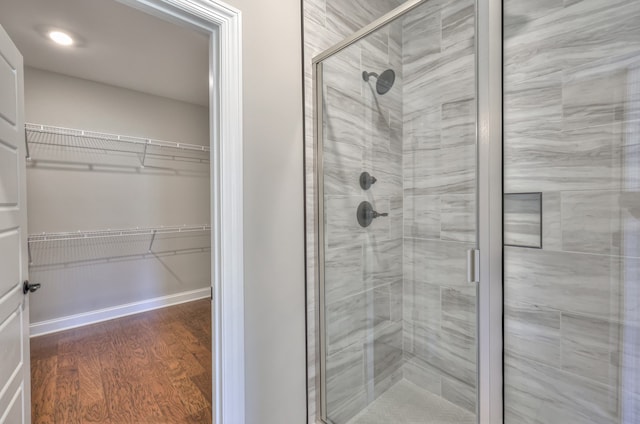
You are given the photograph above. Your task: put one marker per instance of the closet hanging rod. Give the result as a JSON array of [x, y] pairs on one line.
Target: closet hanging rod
[[93, 135], [86, 235]]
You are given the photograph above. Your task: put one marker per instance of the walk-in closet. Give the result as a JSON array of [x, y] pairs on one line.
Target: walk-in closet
[[117, 129]]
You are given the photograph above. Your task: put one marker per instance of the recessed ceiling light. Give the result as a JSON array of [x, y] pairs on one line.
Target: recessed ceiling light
[[61, 38]]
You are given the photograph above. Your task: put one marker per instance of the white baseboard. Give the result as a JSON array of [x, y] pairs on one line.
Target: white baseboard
[[92, 317]]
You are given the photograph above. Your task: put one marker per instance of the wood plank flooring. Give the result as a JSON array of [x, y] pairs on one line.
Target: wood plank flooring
[[149, 368]]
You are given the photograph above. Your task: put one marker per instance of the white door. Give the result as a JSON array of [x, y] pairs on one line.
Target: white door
[[15, 399]]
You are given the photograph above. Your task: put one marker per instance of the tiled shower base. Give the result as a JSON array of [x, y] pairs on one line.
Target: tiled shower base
[[406, 403]]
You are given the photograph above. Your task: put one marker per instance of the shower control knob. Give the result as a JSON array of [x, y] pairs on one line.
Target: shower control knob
[[367, 180], [366, 214]]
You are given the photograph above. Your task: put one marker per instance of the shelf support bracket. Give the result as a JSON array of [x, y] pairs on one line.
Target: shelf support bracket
[[26, 145], [29, 253], [153, 237], [144, 153]]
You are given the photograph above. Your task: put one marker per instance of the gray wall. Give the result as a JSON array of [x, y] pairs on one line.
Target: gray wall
[[273, 207], [572, 96], [66, 194]]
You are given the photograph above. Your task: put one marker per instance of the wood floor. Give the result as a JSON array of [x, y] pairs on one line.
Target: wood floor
[[153, 367]]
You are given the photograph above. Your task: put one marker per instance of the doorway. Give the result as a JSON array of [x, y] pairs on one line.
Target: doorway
[[91, 151]]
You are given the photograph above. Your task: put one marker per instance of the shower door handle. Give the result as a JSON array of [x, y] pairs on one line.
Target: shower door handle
[[473, 266]]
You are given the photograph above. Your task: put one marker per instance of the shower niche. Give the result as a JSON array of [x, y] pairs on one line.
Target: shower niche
[[396, 136]]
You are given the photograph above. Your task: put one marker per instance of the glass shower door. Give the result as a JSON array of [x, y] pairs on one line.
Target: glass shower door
[[396, 132]]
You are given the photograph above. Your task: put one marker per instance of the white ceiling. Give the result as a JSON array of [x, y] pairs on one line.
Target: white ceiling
[[118, 45]]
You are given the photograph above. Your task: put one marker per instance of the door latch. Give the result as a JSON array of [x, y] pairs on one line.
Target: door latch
[[28, 287]]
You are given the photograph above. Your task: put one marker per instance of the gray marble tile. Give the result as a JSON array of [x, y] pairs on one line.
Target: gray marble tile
[[383, 356], [591, 99], [346, 389], [384, 382], [522, 219], [314, 11], [601, 92], [459, 393], [629, 312], [571, 37], [533, 110], [420, 42], [452, 353], [627, 359], [396, 208], [421, 122], [445, 171], [533, 332], [421, 18], [422, 374], [580, 283], [593, 158], [342, 165], [442, 77], [346, 321], [381, 308], [343, 117], [383, 262], [601, 222], [458, 217], [343, 273], [422, 304], [347, 17], [459, 311], [459, 123], [317, 39], [538, 394], [395, 47], [588, 345], [458, 23], [341, 224], [396, 292], [422, 216], [518, 13], [436, 262], [386, 166], [551, 221], [375, 51], [355, 319]]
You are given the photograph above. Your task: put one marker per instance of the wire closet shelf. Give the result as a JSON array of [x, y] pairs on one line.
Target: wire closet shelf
[[95, 244], [94, 234], [145, 148]]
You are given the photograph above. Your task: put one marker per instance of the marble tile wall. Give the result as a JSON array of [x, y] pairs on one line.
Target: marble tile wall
[[363, 132], [572, 131], [363, 280], [439, 162]]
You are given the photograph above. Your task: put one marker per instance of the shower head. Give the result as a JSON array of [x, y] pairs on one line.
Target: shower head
[[384, 81]]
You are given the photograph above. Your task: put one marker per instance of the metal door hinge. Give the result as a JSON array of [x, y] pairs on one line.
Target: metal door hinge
[[211, 288], [473, 266]]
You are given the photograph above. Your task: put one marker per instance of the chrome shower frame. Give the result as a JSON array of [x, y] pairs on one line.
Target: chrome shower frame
[[489, 192]]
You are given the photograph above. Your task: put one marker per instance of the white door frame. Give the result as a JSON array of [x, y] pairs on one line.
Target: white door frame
[[224, 24]]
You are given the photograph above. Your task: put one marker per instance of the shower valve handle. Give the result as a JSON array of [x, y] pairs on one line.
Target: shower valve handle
[[366, 214]]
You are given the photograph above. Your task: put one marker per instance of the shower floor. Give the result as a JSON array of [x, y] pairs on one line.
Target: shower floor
[[406, 403]]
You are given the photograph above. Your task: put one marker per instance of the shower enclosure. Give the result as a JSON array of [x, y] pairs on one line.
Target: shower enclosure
[[396, 131], [456, 285]]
